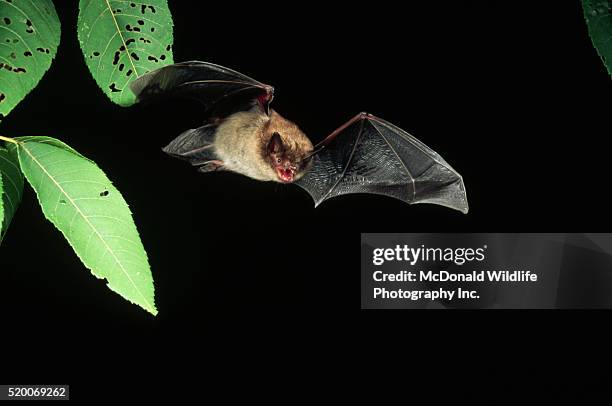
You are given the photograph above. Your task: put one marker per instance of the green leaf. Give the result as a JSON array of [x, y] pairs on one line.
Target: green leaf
[[11, 187], [29, 36], [52, 141], [598, 15], [122, 40], [77, 197]]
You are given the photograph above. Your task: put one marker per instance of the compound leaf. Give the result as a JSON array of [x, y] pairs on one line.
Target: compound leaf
[[77, 197], [122, 40], [29, 36]]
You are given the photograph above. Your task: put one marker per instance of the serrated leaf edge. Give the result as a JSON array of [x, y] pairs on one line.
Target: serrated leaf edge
[[14, 205], [150, 306]]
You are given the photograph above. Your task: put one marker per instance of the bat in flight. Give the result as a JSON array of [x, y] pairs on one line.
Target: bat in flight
[[243, 134]]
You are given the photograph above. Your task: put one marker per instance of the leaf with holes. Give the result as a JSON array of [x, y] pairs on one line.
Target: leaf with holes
[[77, 197], [123, 40], [29, 36], [11, 187]]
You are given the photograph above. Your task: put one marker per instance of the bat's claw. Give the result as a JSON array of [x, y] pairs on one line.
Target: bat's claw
[[211, 166]]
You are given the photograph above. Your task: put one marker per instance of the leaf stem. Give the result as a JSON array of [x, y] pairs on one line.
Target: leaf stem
[[7, 139]]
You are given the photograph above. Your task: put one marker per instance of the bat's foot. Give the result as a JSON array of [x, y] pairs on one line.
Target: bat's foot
[[211, 166]]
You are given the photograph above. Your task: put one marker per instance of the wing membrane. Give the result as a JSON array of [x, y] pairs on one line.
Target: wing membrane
[[370, 155], [214, 86]]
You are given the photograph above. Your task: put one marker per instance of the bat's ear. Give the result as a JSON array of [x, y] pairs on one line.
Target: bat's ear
[[275, 145]]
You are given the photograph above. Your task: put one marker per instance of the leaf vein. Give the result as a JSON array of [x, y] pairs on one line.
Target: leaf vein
[[86, 219]]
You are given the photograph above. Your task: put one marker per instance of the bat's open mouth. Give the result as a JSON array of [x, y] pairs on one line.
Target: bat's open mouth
[[285, 175]]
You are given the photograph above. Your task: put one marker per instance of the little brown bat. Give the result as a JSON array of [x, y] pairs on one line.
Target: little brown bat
[[243, 134]]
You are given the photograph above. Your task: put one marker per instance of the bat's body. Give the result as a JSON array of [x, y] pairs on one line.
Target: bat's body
[[238, 144], [242, 142], [243, 135]]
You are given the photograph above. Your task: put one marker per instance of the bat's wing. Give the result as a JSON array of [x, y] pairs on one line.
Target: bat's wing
[[370, 155], [217, 87]]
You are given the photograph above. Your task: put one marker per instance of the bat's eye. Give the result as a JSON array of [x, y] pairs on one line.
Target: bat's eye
[[278, 160]]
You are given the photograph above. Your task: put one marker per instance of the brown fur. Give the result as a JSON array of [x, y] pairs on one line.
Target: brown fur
[[242, 138]]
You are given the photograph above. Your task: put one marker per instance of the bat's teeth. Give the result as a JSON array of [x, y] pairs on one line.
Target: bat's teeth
[[286, 175]]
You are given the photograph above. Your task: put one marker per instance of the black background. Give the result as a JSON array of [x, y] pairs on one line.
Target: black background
[[249, 276]]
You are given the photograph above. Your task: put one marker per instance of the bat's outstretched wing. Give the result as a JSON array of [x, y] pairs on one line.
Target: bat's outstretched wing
[[217, 87], [370, 155]]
